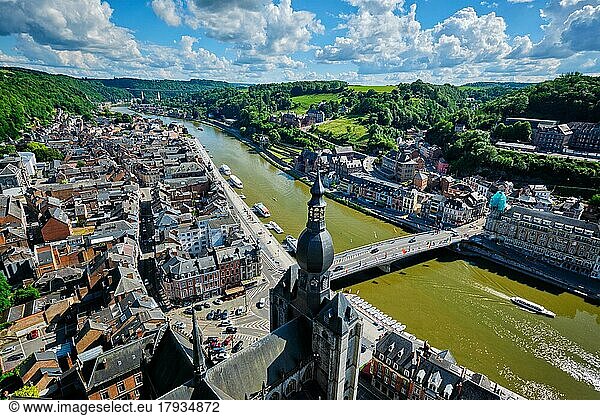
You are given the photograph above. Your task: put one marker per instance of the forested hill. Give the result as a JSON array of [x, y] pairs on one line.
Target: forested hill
[[27, 96], [167, 88], [571, 97]]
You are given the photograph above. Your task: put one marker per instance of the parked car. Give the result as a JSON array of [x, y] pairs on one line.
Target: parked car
[[206, 305], [338, 268], [198, 307], [261, 303], [231, 330], [15, 357], [212, 339], [210, 316], [226, 322], [217, 350], [239, 311], [375, 250], [218, 312], [412, 240], [225, 315], [238, 346], [218, 302], [222, 356], [10, 349]]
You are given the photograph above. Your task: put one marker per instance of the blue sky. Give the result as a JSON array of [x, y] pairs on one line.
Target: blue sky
[[360, 41]]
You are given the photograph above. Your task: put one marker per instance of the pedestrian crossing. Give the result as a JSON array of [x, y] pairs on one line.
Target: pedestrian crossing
[[259, 324], [253, 291]]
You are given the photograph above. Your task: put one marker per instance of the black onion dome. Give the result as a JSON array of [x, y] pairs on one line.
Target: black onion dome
[[314, 251]]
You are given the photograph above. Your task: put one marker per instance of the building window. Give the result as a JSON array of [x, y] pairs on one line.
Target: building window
[[121, 387], [138, 379], [104, 395]]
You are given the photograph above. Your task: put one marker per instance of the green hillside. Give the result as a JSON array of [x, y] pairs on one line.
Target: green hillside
[[570, 97], [29, 96], [167, 88]]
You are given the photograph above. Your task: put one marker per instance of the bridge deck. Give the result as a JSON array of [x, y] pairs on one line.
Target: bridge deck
[[388, 251]]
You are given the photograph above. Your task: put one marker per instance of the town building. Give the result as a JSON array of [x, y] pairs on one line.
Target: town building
[[313, 348], [552, 138], [406, 368], [399, 165], [586, 137], [561, 241], [225, 268]]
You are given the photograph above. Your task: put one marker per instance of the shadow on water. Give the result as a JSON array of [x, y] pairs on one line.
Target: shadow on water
[[374, 273]]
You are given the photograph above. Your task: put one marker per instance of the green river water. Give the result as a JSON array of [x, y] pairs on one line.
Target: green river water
[[454, 303]]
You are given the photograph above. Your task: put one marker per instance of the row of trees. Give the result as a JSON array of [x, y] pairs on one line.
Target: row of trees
[[472, 152]]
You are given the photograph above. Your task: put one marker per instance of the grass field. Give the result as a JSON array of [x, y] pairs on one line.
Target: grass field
[[348, 127], [303, 102], [378, 88]]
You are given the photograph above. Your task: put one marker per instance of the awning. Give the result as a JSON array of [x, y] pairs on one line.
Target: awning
[[250, 282], [234, 291]]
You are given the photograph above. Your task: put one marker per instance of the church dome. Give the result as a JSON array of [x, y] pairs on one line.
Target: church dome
[[498, 201], [314, 251]]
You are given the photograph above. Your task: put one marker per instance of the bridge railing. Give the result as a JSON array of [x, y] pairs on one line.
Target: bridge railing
[[381, 243]]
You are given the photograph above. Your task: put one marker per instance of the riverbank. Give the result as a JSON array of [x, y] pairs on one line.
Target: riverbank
[[452, 301], [496, 255], [562, 279]]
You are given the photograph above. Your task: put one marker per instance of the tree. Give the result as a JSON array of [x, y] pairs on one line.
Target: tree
[[24, 295], [43, 153], [595, 200], [4, 292], [27, 391]]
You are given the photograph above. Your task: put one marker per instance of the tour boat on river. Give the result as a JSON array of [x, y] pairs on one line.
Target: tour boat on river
[[261, 210], [235, 181], [532, 307]]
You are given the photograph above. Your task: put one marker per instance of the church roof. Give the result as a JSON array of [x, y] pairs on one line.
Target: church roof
[[337, 314], [171, 365], [266, 361]]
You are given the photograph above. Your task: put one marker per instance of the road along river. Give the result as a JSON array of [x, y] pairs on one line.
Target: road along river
[[459, 304]]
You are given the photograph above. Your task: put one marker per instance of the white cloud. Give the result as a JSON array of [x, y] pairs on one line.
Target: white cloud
[[582, 29], [259, 30], [167, 11], [569, 27], [86, 28], [380, 39]]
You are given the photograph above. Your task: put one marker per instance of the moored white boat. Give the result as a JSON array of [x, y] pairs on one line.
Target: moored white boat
[[261, 210], [235, 181], [276, 227], [225, 170]]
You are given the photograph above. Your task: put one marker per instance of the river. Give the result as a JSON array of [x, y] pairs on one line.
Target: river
[[458, 304]]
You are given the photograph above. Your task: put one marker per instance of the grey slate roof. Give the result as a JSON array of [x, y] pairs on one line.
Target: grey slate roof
[[267, 360], [337, 314], [118, 361], [170, 366]]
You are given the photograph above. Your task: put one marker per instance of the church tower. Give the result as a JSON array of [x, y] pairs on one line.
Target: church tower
[[304, 291], [314, 254]]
